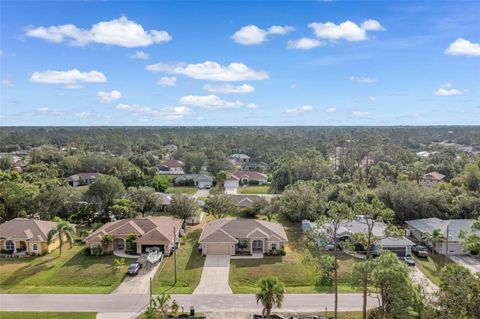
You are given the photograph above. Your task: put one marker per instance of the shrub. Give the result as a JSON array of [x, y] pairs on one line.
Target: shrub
[[33, 254], [87, 251], [45, 251]]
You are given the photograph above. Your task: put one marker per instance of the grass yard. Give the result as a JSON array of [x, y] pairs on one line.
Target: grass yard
[[263, 189], [188, 190], [47, 315], [431, 267], [298, 275], [72, 273], [189, 268]]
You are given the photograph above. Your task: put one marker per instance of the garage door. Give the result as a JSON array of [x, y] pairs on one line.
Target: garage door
[[218, 249], [400, 251]]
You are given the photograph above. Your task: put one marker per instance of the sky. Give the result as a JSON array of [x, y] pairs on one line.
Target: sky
[[236, 63]]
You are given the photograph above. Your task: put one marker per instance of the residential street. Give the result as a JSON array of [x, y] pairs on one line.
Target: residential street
[[132, 303], [471, 263]]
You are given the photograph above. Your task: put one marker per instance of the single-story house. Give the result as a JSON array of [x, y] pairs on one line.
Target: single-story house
[[81, 179], [431, 179], [238, 158], [418, 227], [254, 166], [401, 246], [161, 231], [231, 184], [165, 201], [23, 235], [229, 236], [172, 166], [248, 177], [199, 180], [242, 201]]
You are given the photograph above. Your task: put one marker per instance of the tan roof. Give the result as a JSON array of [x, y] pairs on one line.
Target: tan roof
[[158, 228], [244, 200], [240, 228], [26, 229], [434, 175], [173, 163], [249, 174]]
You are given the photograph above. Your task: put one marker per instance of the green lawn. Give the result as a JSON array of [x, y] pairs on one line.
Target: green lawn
[[299, 276], [189, 268], [48, 315], [431, 267], [72, 273], [264, 189], [189, 190]]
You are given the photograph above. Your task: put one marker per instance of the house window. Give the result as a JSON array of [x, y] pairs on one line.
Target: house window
[[34, 247], [274, 246], [9, 245]]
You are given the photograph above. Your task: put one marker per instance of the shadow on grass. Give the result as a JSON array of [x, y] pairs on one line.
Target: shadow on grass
[[28, 271]]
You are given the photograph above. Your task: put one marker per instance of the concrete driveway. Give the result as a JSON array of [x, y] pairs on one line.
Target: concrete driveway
[[214, 278], [139, 284], [202, 192], [419, 277], [473, 264]]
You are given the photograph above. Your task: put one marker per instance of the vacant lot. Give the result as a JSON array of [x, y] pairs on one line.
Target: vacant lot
[[295, 270], [189, 268], [47, 315], [72, 273], [264, 189]]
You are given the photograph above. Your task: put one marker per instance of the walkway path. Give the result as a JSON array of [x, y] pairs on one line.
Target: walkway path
[[419, 277], [214, 278], [134, 303]]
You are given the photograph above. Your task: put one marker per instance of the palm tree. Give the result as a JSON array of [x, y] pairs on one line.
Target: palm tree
[[162, 303], [434, 237], [271, 294], [107, 240], [64, 230]]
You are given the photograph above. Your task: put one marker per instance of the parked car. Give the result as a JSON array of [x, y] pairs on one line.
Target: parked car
[[329, 247], [420, 251], [133, 269], [409, 260]]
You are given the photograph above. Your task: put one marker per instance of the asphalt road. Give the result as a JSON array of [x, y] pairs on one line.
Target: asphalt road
[[131, 303]]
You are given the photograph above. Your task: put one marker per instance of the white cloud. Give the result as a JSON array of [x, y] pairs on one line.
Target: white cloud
[[447, 90], [372, 25], [166, 113], [121, 32], [251, 106], [108, 97], [45, 111], [300, 110], [304, 44], [209, 102], [360, 113], [229, 89], [362, 79], [371, 98], [83, 114], [7, 82], [167, 81], [140, 55], [251, 34], [331, 109], [463, 47], [212, 71], [71, 78], [346, 30]]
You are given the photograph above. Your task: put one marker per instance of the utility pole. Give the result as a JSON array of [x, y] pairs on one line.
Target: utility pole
[[150, 292]]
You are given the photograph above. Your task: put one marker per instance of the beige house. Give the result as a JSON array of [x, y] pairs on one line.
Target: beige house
[[229, 236], [162, 232], [23, 235], [432, 179]]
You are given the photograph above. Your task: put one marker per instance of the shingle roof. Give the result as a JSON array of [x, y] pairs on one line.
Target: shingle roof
[[427, 225], [244, 200], [434, 175], [156, 228], [249, 174], [173, 163], [194, 177], [241, 228], [26, 229]]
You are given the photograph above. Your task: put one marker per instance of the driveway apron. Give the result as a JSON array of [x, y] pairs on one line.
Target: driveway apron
[[214, 278]]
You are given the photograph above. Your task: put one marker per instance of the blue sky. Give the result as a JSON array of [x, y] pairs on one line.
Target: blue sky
[[240, 63]]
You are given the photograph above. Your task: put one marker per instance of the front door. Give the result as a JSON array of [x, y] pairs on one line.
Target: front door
[[257, 246], [119, 244]]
